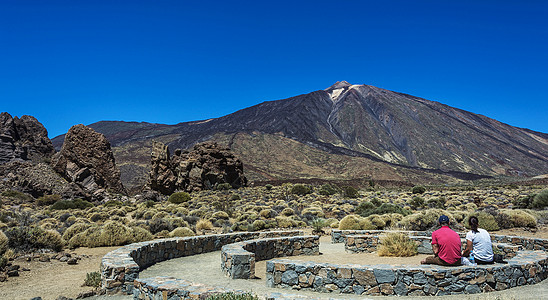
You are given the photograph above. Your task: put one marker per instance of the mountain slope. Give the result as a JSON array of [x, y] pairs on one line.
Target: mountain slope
[[355, 121]]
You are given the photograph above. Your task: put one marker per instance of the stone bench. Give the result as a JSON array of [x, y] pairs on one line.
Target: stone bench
[[119, 268], [238, 260], [527, 267]]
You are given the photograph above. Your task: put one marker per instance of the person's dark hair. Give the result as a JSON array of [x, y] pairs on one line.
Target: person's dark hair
[[473, 222]]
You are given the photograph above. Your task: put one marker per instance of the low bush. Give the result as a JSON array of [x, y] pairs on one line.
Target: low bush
[[3, 243], [27, 238], [268, 187], [418, 190], [318, 225], [328, 189], [436, 203], [71, 204], [179, 197], [285, 222], [416, 202], [48, 200], [223, 186], [93, 279], [159, 224], [16, 195], [301, 189], [181, 232], [366, 209], [287, 212], [350, 222], [350, 192], [520, 218], [377, 221], [233, 296], [540, 200], [424, 220], [396, 244], [204, 225], [113, 203], [140, 234], [75, 229]]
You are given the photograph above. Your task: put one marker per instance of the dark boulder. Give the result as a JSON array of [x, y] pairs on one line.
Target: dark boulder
[[87, 160], [23, 139], [204, 167]]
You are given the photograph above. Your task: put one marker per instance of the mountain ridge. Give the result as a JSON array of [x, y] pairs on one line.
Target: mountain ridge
[[370, 122]]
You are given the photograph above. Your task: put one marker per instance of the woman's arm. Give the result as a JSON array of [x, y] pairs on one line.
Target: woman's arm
[[466, 251]]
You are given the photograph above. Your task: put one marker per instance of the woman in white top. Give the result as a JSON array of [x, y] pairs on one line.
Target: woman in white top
[[479, 241]]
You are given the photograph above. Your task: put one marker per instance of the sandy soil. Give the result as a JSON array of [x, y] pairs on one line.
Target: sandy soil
[[50, 280], [53, 279]]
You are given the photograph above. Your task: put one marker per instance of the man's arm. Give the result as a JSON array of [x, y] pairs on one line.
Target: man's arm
[[466, 251], [436, 249]]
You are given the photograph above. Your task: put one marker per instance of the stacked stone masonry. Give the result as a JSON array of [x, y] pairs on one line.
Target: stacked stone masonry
[[121, 267], [238, 260], [527, 264]]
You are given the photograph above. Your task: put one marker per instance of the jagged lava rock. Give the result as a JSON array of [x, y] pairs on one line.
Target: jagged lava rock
[[87, 160], [207, 165], [23, 139]]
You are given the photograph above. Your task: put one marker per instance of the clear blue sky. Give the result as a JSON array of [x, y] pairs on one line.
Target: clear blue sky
[[72, 62]]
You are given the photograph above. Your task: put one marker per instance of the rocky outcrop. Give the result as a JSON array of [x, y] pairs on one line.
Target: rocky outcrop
[[86, 159], [23, 139], [206, 166], [36, 179]]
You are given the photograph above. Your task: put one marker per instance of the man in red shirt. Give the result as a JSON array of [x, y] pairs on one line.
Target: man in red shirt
[[446, 245]]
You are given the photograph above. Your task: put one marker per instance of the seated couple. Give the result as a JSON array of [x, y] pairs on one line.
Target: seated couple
[[446, 245]]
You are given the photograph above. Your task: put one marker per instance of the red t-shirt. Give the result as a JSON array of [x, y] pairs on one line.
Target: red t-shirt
[[449, 244]]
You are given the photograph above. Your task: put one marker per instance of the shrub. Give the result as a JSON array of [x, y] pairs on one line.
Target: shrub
[[48, 200], [318, 225], [150, 203], [365, 224], [3, 243], [424, 220], [258, 225], [436, 203], [140, 234], [418, 189], [349, 192], [301, 190], [396, 244], [71, 204], [350, 222], [93, 279], [377, 221], [220, 215], [540, 200], [366, 209], [416, 202], [233, 296], [157, 225], [328, 189], [113, 234], [313, 212], [235, 197], [179, 197], [113, 203], [98, 217], [204, 225], [16, 195], [520, 218], [27, 238], [181, 232], [267, 213], [268, 187], [223, 187], [287, 212], [75, 229], [285, 222]]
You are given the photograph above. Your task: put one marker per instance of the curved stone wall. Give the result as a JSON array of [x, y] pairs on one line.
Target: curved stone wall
[[527, 264], [238, 260], [121, 267]]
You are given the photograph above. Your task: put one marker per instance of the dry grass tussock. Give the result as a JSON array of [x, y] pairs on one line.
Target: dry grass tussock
[[396, 244]]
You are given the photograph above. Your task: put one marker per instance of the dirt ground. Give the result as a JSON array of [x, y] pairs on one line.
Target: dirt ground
[[50, 280]]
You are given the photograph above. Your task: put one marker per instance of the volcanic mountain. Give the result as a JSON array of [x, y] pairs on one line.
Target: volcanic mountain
[[345, 132]]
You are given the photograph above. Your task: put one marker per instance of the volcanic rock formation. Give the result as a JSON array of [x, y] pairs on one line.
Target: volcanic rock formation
[[23, 139], [206, 166], [87, 160]]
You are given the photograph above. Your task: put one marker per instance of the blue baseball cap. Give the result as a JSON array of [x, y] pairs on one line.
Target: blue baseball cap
[[443, 219]]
